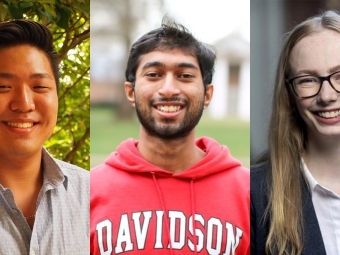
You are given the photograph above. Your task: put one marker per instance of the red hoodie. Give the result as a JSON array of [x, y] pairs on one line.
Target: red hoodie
[[139, 208]]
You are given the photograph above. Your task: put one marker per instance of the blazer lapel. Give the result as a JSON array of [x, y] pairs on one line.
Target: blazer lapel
[[313, 243]]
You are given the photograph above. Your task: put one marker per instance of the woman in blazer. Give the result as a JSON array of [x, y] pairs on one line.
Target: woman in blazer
[[295, 193]]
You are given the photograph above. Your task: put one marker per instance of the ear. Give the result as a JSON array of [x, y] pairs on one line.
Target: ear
[[130, 92], [208, 95]]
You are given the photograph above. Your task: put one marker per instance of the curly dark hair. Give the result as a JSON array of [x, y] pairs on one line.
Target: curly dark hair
[[169, 36]]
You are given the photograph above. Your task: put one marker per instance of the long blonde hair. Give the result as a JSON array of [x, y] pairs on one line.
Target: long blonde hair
[[287, 140]]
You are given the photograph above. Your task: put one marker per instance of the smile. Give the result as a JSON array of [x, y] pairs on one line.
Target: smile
[[20, 124], [329, 115], [168, 108]]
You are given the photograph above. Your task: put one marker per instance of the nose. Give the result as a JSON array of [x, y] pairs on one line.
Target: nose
[[327, 94], [23, 100], [169, 87]]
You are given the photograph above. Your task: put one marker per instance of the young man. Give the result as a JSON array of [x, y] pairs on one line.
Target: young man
[[44, 202], [169, 193]]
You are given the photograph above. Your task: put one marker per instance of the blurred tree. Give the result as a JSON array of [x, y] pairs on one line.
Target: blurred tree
[[69, 21], [125, 18]]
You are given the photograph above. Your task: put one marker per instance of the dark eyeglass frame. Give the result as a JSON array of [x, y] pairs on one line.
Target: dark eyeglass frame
[[321, 78]]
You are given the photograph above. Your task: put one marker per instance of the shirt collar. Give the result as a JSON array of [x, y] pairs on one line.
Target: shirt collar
[[308, 177], [53, 174], [313, 185]]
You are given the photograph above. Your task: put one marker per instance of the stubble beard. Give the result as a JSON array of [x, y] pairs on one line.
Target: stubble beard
[[168, 129]]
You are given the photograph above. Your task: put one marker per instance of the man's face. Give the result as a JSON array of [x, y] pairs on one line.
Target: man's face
[[169, 93], [28, 100]]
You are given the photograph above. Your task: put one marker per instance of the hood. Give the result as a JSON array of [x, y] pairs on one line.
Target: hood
[[217, 159]]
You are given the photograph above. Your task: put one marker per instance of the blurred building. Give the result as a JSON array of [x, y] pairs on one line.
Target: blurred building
[[232, 78]]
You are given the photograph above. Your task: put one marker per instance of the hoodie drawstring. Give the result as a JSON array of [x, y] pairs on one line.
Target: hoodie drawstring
[[193, 211], [164, 210]]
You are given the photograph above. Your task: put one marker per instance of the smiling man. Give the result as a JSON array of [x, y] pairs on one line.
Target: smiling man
[[44, 202], [168, 192]]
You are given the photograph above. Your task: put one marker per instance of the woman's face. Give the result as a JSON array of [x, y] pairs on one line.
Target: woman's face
[[318, 55]]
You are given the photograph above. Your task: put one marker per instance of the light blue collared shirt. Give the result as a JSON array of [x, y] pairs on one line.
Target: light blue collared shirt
[[61, 225]]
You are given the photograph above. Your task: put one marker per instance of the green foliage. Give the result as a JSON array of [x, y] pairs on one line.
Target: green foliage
[[56, 11], [69, 23]]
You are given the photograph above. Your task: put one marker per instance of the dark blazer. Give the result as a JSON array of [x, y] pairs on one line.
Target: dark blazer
[[313, 243]]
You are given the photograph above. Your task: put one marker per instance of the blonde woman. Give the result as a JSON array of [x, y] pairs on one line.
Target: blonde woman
[[295, 194]]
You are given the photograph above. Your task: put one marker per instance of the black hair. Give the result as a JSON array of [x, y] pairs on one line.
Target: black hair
[[169, 36], [22, 31]]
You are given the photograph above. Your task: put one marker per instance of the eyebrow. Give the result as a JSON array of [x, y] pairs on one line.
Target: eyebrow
[[334, 69], [33, 76], [313, 72], [306, 72], [187, 65], [7, 75], [159, 64], [153, 64], [41, 76]]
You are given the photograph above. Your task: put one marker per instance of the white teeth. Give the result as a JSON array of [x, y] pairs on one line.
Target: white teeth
[[329, 115], [166, 108], [20, 125]]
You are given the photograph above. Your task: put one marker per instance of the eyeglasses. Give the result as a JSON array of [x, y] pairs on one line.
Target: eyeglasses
[[307, 86]]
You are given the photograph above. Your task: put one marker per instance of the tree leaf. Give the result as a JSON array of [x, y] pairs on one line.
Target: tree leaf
[[83, 7], [50, 12], [64, 14], [53, 2], [3, 12], [15, 11], [25, 4]]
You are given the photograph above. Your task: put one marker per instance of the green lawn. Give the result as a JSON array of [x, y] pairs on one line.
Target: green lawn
[[107, 133]]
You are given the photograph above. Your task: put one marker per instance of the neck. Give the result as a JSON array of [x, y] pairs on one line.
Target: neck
[[322, 159], [23, 175], [174, 155], [325, 150], [20, 172]]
